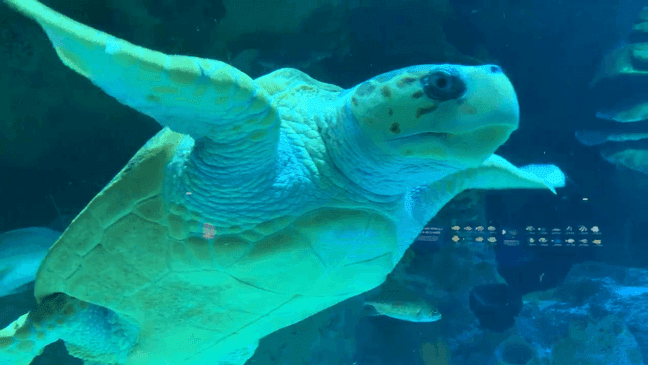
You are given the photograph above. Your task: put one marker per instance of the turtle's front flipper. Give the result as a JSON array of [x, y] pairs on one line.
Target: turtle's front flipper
[[91, 332], [190, 95], [16, 345], [494, 173], [497, 173]]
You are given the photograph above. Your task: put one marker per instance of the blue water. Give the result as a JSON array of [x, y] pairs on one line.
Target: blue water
[[559, 279]]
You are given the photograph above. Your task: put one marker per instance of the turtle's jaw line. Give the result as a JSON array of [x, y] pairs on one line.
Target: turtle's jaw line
[[457, 135], [424, 135], [434, 134]]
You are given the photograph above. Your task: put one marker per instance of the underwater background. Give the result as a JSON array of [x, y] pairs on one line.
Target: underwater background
[[580, 69]]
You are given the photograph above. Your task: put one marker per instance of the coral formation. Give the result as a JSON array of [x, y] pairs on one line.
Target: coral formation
[[514, 351], [593, 342]]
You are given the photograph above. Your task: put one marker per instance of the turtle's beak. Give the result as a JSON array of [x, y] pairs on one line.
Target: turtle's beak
[[470, 127]]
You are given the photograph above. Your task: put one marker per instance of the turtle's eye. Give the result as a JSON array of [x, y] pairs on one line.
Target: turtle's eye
[[443, 85]]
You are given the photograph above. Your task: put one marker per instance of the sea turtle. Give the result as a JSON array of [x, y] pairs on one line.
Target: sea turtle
[[260, 203]]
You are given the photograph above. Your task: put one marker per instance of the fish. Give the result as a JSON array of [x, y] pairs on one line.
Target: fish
[[629, 112], [596, 137], [619, 92], [627, 148], [21, 253], [629, 156], [417, 310], [394, 300]]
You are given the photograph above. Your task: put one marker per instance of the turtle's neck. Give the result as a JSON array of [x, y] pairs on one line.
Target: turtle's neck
[[375, 170], [204, 178]]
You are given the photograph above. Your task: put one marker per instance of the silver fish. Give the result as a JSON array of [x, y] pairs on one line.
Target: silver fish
[[593, 138], [634, 112], [411, 311], [633, 158]]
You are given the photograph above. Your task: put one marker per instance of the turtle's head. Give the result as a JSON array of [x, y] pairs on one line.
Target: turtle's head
[[455, 115]]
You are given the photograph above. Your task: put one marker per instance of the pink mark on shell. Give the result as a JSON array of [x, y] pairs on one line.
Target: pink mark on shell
[[209, 232]]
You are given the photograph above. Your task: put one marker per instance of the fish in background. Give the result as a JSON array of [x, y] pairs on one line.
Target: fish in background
[[395, 301], [627, 149], [594, 138], [410, 311], [619, 92], [633, 109], [21, 253]]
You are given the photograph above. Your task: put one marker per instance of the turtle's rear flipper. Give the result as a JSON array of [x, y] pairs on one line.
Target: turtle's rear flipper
[[96, 333], [17, 347]]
